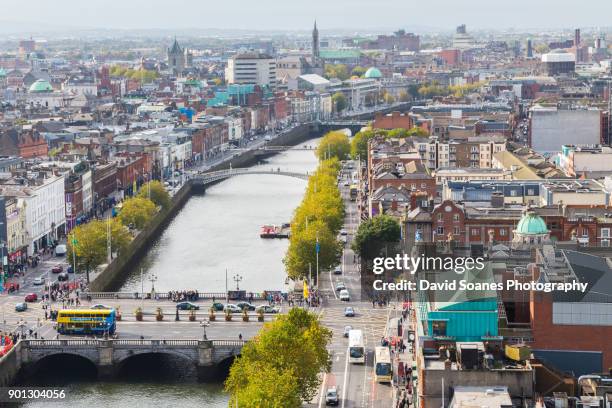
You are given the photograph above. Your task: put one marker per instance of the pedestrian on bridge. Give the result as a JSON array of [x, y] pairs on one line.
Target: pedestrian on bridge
[[240, 336]]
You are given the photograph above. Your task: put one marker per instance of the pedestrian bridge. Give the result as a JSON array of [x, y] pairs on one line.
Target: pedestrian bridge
[[203, 179], [108, 356]]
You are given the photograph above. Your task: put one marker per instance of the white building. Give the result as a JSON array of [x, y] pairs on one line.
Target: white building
[[552, 128], [80, 86], [252, 69], [311, 107], [234, 128], [44, 199]]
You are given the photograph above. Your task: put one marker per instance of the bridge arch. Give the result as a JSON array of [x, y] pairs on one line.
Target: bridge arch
[[72, 365], [155, 364]]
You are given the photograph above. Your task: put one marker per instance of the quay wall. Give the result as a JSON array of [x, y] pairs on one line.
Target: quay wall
[[10, 364]]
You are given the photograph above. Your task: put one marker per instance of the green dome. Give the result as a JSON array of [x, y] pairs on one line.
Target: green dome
[[373, 73], [2, 72], [531, 224], [41, 86]]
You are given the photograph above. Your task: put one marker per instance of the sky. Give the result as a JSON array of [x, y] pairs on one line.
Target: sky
[[299, 14]]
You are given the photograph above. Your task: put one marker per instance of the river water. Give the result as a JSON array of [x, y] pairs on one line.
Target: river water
[[213, 232]]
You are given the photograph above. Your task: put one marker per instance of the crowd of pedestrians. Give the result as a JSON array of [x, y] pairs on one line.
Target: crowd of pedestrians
[[183, 295]]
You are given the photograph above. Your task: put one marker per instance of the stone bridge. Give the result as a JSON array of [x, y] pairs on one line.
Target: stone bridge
[[209, 357], [204, 179]]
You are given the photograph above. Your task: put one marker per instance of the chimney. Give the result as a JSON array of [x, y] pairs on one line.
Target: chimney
[[413, 201], [394, 204]]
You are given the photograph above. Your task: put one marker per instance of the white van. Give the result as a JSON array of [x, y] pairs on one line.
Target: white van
[[60, 250], [344, 295]]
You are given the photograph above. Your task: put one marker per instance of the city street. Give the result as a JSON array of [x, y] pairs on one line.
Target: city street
[[355, 382]]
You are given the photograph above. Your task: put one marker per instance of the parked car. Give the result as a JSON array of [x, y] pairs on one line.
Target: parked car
[[218, 306], [267, 309], [101, 306], [331, 396], [21, 307], [340, 286], [57, 269], [38, 281], [349, 312], [232, 308], [62, 277], [31, 297], [344, 295], [347, 329], [343, 232], [245, 305], [60, 250], [187, 306], [337, 270]]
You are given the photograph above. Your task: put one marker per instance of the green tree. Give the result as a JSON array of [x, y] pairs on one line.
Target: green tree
[[301, 256], [339, 71], [388, 98], [358, 71], [374, 233], [89, 242], [359, 144], [280, 367], [334, 144], [255, 384], [339, 101], [137, 211], [156, 192]]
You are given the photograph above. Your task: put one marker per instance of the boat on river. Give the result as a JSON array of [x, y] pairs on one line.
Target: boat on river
[[275, 231]]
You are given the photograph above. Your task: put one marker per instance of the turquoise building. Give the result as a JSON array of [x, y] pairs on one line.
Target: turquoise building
[[460, 315]]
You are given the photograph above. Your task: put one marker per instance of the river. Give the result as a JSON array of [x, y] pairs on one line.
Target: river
[[213, 232]]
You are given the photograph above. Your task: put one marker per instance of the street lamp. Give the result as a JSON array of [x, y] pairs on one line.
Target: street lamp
[[204, 324], [152, 279], [237, 278]]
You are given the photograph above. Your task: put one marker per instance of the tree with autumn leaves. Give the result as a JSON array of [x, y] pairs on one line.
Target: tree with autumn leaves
[[89, 243], [280, 367], [320, 216]]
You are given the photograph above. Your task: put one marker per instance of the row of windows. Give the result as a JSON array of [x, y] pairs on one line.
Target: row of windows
[[473, 232]]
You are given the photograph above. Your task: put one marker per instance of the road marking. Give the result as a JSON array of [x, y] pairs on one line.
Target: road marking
[[345, 378], [322, 389]]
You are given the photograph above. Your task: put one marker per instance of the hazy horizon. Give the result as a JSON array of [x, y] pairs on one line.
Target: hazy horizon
[[274, 15]]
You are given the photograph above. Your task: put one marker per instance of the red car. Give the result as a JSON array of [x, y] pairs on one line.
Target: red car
[[57, 269], [31, 297]]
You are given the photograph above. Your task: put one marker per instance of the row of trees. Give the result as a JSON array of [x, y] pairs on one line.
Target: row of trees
[[320, 216], [359, 144], [280, 367], [88, 243], [433, 89], [139, 74], [373, 234]]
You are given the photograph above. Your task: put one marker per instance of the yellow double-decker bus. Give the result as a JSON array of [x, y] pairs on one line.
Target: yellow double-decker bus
[[86, 321]]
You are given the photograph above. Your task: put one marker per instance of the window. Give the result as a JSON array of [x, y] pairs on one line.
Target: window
[[440, 230], [513, 193], [530, 191], [455, 217], [475, 232], [585, 232], [502, 232], [605, 232], [456, 231], [440, 217], [423, 185]]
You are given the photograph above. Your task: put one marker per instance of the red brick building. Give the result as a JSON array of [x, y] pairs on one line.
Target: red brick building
[[24, 143], [394, 120]]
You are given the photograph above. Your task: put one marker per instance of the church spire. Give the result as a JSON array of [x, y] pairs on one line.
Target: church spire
[[315, 44]]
